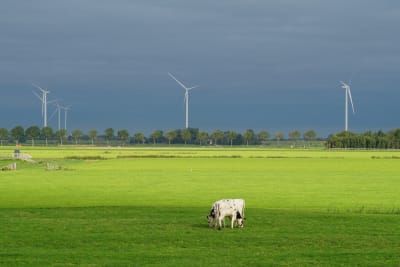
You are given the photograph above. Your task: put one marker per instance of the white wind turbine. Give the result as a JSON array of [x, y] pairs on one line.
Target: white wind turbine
[[58, 110], [186, 97], [43, 98], [346, 87], [66, 108]]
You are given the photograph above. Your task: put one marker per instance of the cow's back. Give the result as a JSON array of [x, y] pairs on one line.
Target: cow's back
[[237, 202]]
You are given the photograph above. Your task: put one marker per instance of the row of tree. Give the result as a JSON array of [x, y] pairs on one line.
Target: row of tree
[[186, 136], [368, 140]]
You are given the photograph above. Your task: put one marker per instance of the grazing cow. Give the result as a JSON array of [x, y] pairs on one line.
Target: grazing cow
[[239, 204], [228, 209]]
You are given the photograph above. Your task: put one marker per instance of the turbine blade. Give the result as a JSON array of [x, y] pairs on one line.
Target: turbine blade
[[351, 100], [37, 86], [181, 84], [41, 89], [351, 78], [41, 99], [52, 114], [193, 87], [65, 108]]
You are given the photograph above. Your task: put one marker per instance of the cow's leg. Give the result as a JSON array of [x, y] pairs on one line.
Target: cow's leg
[[233, 219]]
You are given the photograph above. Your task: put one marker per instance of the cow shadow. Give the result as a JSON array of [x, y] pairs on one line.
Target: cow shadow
[[200, 225]]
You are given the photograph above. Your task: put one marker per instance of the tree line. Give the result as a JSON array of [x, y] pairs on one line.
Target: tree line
[[33, 134], [341, 140], [367, 140]]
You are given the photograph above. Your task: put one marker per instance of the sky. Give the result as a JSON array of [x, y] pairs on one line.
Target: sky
[[261, 65]]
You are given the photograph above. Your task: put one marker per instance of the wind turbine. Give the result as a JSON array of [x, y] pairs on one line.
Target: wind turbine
[[43, 98], [66, 108], [346, 87], [187, 89], [58, 110]]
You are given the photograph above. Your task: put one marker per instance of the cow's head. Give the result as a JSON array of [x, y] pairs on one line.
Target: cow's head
[[240, 220], [211, 218]]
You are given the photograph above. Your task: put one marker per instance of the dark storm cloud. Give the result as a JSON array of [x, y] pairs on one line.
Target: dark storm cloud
[[271, 65]]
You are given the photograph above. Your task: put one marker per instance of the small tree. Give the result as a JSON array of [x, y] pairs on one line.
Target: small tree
[[61, 134], [310, 136], [171, 135], [139, 137], [294, 136], [263, 136], [3, 135], [123, 135], [17, 132], [156, 135], [279, 136], [77, 134], [217, 135], [186, 135], [202, 137], [109, 134], [46, 133], [32, 132], [231, 135], [92, 135], [248, 135]]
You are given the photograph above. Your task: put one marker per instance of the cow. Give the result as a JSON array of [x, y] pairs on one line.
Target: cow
[[239, 204], [228, 209]]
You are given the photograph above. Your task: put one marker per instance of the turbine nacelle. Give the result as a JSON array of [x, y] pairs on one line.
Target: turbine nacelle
[[44, 91], [345, 85]]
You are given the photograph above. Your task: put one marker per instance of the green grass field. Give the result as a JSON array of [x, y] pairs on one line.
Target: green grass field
[[147, 207]]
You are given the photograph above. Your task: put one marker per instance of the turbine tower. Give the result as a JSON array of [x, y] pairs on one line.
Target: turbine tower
[[187, 89], [66, 108], [58, 109], [43, 98], [346, 87]]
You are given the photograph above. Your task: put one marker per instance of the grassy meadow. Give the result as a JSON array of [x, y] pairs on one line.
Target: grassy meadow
[[147, 207]]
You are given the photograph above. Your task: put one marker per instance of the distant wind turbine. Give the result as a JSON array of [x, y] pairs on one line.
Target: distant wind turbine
[[187, 89], [43, 98], [66, 108], [59, 115], [58, 110], [346, 87]]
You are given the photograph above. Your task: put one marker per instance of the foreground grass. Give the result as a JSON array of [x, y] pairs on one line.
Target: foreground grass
[[122, 236], [303, 208]]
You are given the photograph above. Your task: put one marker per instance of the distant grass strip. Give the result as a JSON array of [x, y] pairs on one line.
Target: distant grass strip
[[378, 157], [179, 156], [85, 157]]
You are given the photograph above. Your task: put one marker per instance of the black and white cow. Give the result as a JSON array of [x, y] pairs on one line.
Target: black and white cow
[[231, 210], [225, 209]]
